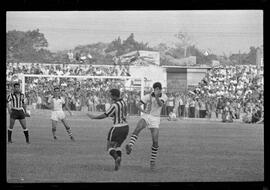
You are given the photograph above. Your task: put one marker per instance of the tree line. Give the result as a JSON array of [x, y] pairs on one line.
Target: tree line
[[31, 46]]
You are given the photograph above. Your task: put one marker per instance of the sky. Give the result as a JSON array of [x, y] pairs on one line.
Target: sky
[[216, 31]]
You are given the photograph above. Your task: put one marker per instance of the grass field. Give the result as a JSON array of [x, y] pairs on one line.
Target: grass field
[[190, 151]]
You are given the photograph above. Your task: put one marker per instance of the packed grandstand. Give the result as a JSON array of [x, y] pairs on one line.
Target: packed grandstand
[[231, 92]]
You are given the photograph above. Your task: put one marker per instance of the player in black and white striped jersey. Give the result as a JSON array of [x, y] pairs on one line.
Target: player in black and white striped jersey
[[118, 133], [17, 110]]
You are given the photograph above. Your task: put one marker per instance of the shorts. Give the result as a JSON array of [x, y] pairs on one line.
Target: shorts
[[118, 134], [58, 115], [17, 114], [151, 121]]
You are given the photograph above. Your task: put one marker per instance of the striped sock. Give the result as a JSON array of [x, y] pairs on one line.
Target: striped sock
[[154, 154], [133, 139]]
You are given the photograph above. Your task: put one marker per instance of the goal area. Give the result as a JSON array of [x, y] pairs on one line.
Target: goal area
[[85, 88]]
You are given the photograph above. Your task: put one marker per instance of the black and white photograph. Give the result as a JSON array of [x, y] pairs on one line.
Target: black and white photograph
[[134, 96]]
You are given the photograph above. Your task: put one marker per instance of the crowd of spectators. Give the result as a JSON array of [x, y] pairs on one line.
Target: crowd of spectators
[[82, 94], [13, 69], [230, 92]]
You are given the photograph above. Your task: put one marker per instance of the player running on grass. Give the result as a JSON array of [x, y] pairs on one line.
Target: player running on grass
[[150, 118], [17, 110], [55, 103], [118, 133]]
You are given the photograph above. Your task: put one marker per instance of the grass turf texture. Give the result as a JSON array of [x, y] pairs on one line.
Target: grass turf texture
[[189, 151]]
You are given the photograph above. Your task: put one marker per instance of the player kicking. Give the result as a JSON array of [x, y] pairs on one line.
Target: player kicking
[[118, 133], [17, 110], [55, 103], [150, 118]]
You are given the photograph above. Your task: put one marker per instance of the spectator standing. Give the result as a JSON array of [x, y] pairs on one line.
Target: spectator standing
[[202, 108], [197, 108], [219, 107], [212, 106], [39, 101], [170, 104], [227, 116], [208, 108], [256, 114], [34, 100], [182, 105], [78, 104], [90, 103], [96, 102], [186, 106], [192, 108], [176, 105], [238, 109]]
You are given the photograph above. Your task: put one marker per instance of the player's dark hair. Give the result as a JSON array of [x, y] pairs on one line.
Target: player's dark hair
[[157, 85], [16, 84], [115, 92]]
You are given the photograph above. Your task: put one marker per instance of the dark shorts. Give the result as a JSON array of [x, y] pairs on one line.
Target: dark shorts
[[118, 134], [17, 114]]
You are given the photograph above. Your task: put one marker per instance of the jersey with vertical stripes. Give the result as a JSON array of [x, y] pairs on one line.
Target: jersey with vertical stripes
[[118, 111], [17, 101]]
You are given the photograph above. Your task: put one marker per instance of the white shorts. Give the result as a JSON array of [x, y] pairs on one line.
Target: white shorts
[[151, 121], [58, 115]]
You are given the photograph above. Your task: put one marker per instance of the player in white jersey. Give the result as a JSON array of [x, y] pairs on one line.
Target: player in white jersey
[[150, 118], [56, 103]]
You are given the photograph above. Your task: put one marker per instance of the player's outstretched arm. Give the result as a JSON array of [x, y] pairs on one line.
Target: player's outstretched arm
[[102, 116]]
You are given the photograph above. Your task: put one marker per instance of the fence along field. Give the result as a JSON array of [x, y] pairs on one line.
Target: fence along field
[[190, 150]]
